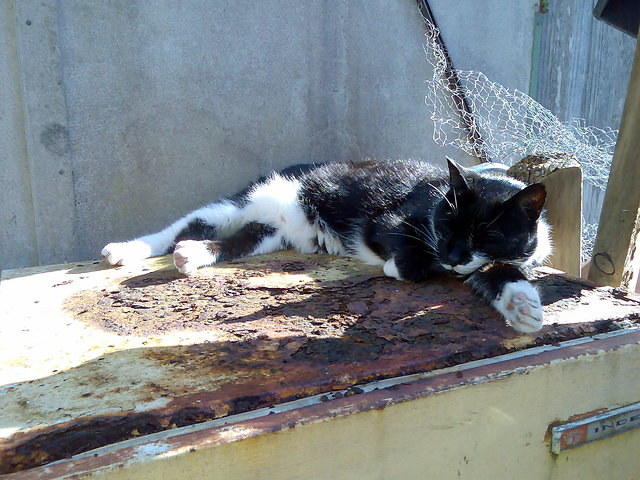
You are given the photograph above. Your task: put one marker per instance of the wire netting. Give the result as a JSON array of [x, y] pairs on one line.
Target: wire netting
[[494, 123]]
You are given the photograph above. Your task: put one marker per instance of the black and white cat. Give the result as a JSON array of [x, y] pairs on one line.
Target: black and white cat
[[409, 217]]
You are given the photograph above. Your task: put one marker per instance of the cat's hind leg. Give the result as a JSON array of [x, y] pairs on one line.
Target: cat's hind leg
[[252, 239], [210, 222], [272, 201], [507, 289], [271, 217]]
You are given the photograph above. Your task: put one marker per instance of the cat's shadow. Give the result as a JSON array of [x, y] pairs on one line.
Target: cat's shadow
[[552, 288], [318, 306], [442, 310]]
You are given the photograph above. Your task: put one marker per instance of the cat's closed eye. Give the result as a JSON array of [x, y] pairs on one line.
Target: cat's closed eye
[[494, 236]]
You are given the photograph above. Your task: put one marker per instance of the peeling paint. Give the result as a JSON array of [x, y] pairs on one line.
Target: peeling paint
[[150, 450]]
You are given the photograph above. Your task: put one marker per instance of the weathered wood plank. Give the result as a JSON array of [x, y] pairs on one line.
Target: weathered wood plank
[[565, 32], [608, 70], [615, 257], [564, 206], [582, 68]]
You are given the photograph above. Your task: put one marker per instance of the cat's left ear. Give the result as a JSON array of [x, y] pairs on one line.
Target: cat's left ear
[[456, 179], [530, 200]]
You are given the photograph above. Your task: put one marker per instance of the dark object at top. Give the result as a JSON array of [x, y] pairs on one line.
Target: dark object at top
[[622, 14]]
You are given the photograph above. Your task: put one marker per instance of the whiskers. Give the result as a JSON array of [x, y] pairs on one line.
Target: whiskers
[[424, 235], [516, 262]]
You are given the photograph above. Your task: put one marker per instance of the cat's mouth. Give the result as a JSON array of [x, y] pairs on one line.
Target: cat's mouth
[[450, 270]]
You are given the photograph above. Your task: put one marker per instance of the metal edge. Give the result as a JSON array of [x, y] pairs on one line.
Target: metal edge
[[367, 387]]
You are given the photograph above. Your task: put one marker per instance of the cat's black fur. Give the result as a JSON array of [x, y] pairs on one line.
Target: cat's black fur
[[418, 220], [402, 210]]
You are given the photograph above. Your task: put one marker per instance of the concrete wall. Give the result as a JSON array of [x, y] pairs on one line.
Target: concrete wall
[[119, 115], [17, 226]]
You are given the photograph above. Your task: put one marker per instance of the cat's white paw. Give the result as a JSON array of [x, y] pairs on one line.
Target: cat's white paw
[[189, 255], [125, 253], [520, 305]]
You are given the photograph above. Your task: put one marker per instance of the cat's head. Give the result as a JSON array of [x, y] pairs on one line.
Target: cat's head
[[485, 218]]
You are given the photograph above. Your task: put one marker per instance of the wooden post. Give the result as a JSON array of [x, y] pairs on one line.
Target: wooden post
[[562, 176], [615, 255]]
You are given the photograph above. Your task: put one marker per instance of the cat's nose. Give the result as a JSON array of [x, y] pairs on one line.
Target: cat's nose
[[457, 255]]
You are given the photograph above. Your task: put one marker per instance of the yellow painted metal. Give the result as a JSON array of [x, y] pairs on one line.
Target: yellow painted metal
[[494, 430]]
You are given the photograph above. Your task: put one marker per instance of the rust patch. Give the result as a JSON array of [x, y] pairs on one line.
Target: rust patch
[[329, 406], [164, 301], [315, 334], [80, 436]]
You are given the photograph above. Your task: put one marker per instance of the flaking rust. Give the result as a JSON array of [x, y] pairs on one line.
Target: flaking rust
[[285, 327]]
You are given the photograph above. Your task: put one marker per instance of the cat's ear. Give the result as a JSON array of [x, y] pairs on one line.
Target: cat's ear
[[530, 200], [456, 179]]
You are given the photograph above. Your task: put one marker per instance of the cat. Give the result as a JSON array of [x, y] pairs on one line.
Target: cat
[[411, 218]]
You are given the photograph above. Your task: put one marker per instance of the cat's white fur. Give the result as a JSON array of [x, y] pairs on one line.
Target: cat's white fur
[[544, 247], [328, 240], [360, 251], [275, 202], [269, 244], [189, 255], [224, 215], [390, 269], [519, 303]]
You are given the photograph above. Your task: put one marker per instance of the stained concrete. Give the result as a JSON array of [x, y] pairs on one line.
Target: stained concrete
[[136, 112], [17, 229], [46, 130]]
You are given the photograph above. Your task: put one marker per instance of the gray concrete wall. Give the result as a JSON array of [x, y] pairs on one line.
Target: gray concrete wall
[[494, 37], [17, 224], [119, 115]]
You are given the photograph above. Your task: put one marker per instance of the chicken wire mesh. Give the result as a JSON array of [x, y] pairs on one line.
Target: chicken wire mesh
[[494, 123]]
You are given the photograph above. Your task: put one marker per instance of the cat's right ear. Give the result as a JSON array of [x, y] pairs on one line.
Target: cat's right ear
[[530, 200], [456, 179]]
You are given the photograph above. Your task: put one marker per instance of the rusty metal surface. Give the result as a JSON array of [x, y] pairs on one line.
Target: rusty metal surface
[[272, 329], [377, 395]]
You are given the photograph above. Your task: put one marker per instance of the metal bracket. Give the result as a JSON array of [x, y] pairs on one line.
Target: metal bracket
[[595, 427]]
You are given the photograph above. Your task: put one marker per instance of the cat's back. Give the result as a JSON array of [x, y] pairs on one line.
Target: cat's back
[[344, 192], [385, 177]]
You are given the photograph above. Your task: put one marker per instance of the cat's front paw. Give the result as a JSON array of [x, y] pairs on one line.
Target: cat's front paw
[[520, 305], [125, 253], [189, 255]]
